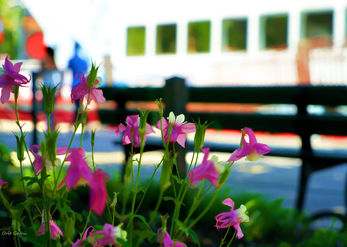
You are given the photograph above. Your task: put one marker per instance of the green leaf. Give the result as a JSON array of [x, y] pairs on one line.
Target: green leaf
[[143, 220], [178, 179], [194, 237]]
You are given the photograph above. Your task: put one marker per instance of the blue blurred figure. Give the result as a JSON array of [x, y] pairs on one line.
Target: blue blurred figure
[[77, 65]]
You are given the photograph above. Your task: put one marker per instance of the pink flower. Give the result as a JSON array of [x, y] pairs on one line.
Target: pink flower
[[3, 183], [10, 78], [85, 235], [81, 90], [232, 218], [251, 149], [55, 230], [78, 173], [206, 170], [109, 236], [98, 193], [38, 159], [179, 129], [166, 240], [131, 131]]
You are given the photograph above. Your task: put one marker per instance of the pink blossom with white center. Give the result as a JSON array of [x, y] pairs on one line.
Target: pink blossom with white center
[[252, 149], [232, 218], [179, 129]]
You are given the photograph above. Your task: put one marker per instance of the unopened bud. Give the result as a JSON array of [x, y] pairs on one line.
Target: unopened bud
[[20, 146]]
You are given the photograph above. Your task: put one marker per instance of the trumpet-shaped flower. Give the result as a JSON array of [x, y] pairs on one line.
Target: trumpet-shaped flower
[[166, 240], [98, 193], [179, 128], [3, 183], [131, 131], [55, 230], [109, 235], [232, 218], [252, 149], [81, 90], [11, 78], [206, 170], [78, 173], [38, 158]]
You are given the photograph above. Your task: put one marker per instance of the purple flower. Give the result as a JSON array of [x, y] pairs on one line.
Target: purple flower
[[38, 158], [78, 173], [206, 170], [232, 218], [11, 78], [251, 149], [3, 183], [166, 240], [81, 90], [179, 129], [131, 131], [55, 230], [98, 193]]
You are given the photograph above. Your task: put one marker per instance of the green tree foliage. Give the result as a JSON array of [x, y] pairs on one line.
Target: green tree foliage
[[11, 15]]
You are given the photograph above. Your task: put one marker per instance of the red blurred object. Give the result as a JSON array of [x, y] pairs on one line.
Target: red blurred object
[[35, 46], [2, 37]]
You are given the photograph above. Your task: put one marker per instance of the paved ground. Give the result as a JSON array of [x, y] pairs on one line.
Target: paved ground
[[275, 177]]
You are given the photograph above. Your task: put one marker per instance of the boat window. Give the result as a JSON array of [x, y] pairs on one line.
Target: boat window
[[274, 31], [317, 25], [166, 39], [199, 36], [234, 36], [136, 41]]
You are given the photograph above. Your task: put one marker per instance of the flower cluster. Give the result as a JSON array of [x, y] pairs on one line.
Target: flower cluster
[[173, 129]]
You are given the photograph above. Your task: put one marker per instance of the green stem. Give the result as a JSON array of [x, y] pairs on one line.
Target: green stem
[[87, 221], [202, 213], [148, 185], [25, 192], [231, 238], [224, 237], [161, 193]]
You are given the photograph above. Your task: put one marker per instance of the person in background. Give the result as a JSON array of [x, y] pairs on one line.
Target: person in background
[[50, 75], [77, 65]]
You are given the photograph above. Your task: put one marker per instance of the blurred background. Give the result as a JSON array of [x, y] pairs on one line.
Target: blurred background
[[220, 43]]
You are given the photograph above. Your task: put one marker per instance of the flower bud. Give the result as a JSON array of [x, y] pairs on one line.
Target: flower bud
[[20, 146], [199, 137], [166, 172], [51, 144], [120, 233], [48, 98], [143, 124], [92, 75], [114, 201], [128, 170], [223, 177], [92, 139]]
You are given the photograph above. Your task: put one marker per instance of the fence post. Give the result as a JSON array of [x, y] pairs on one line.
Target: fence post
[[175, 99], [34, 108]]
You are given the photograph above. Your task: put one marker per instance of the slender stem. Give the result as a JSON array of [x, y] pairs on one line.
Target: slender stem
[[148, 185], [87, 221], [25, 191], [48, 123], [161, 193], [93, 162], [224, 237], [231, 239]]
